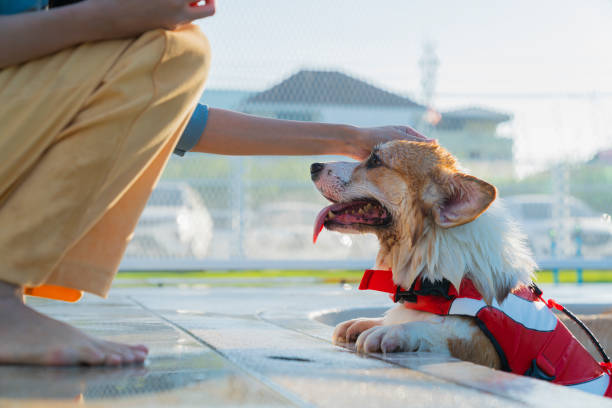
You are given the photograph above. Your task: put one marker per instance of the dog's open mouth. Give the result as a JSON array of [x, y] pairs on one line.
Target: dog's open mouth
[[351, 216]]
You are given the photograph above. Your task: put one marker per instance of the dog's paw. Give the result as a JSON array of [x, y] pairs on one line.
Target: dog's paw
[[347, 332], [387, 339]]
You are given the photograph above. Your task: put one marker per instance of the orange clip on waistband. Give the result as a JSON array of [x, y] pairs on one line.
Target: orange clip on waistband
[[55, 292]]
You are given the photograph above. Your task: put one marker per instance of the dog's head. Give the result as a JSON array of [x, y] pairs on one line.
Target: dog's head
[[408, 194], [398, 187]]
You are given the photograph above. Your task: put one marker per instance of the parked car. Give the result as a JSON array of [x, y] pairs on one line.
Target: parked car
[[589, 231], [175, 223], [281, 230]]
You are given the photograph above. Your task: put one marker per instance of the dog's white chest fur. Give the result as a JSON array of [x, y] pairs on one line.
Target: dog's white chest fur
[[490, 250]]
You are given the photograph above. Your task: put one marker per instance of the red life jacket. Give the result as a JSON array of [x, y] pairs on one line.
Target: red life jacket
[[529, 339]]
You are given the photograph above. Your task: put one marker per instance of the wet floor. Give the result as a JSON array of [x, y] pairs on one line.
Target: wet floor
[[265, 347]]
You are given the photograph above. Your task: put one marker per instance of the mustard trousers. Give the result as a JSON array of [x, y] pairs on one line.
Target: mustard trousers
[[84, 136]]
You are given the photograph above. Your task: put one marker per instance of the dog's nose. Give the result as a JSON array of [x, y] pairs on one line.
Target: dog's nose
[[315, 169]]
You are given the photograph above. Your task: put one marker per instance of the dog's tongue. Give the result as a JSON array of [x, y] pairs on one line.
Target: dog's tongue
[[336, 208], [319, 221]]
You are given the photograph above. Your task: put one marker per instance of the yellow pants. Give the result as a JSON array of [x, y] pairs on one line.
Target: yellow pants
[[84, 136]]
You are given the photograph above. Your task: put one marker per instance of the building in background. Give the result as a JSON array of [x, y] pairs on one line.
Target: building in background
[[333, 97], [472, 135], [603, 157]]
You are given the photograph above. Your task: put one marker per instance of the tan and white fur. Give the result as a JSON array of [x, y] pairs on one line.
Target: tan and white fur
[[444, 224]]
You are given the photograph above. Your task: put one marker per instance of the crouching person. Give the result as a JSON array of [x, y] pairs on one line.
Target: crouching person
[[94, 97]]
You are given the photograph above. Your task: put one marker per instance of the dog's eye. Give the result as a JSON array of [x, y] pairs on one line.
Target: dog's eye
[[373, 161]]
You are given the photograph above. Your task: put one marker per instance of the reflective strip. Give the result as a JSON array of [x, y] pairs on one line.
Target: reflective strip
[[532, 315], [466, 306], [193, 131], [598, 386]]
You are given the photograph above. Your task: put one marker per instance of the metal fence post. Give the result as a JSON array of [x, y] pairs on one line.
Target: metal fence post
[[553, 254], [579, 254], [237, 168]]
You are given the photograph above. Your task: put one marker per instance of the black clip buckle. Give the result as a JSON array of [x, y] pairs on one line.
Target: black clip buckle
[[427, 289], [402, 296]]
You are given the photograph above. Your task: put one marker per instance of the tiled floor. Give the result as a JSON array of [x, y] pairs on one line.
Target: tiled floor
[[265, 346]]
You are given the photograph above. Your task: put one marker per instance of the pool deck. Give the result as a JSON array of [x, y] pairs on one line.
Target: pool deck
[[266, 346]]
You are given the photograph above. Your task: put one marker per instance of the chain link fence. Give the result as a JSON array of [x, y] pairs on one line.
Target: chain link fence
[[547, 152]]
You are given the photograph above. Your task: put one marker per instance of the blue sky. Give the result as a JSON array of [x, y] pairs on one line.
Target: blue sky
[[485, 47]]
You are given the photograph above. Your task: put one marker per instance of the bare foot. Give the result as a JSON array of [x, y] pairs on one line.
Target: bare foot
[[28, 337]]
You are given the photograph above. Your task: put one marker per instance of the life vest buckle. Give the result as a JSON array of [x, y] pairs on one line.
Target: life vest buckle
[[402, 296]]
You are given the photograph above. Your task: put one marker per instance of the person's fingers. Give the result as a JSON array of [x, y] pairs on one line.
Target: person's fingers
[[410, 131], [201, 9]]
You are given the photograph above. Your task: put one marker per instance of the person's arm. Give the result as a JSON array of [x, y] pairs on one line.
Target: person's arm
[[235, 133], [30, 35]]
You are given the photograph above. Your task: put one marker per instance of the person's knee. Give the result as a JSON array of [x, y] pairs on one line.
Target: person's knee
[[187, 55]]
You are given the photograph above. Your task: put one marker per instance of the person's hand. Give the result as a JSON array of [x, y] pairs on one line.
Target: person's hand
[[368, 138], [123, 18]]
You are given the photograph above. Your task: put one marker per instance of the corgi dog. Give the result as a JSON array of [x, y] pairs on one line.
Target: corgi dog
[[444, 231]]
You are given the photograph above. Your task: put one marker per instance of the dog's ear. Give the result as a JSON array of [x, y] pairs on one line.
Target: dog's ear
[[463, 199]]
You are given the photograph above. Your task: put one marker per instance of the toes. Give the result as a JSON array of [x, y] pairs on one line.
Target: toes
[[390, 342], [339, 335], [386, 339], [140, 347], [372, 342], [127, 354], [352, 332], [139, 352], [113, 359], [358, 327], [369, 340], [92, 355], [347, 332], [140, 355]]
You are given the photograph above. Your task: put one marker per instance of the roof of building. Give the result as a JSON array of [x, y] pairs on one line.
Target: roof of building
[[476, 113], [602, 156], [329, 87], [225, 98]]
